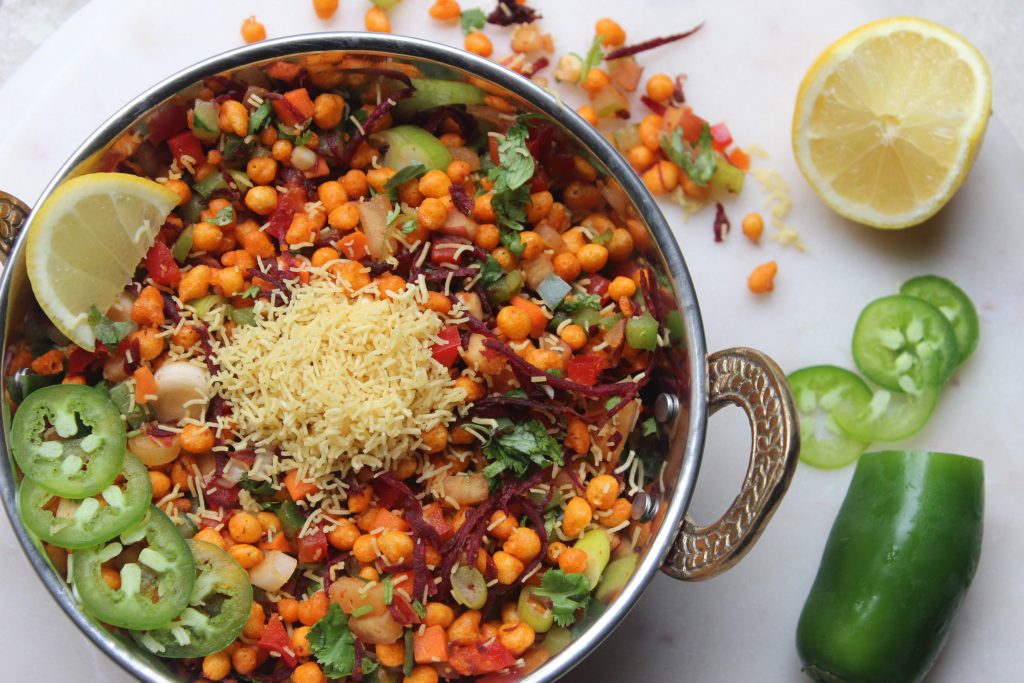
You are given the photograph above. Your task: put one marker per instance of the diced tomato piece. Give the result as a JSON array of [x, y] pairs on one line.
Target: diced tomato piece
[[738, 158], [186, 144], [81, 359], [492, 143], [294, 108], [167, 122], [720, 136], [599, 285], [472, 659], [585, 369], [161, 266], [275, 639], [444, 254], [446, 352], [434, 516], [293, 201], [354, 246], [312, 547]]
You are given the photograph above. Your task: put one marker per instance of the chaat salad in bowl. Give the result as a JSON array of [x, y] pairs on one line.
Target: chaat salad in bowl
[[364, 391]]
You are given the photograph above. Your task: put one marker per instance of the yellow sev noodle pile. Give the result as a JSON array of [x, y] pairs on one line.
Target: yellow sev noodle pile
[[336, 382]]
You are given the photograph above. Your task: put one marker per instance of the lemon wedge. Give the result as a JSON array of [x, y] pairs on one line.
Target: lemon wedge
[[889, 119], [85, 242]]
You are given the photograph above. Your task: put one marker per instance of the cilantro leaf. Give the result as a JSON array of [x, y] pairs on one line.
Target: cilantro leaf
[[490, 272], [413, 170], [516, 446], [567, 592], [224, 216], [106, 330], [251, 293], [259, 117], [579, 302], [472, 20], [648, 427], [409, 226], [510, 208], [594, 57], [511, 241], [332, 643], [515, 168], [697, 161], [394, 213]]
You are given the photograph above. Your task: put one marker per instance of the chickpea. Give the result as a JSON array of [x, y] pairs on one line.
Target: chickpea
[[574, 239], [379, 177], [543, 359], [161, 484], [233, 118], [567, 266], [596, 80], [258, 244], [323, 256], [230, 281], [577, 436], [523, 543], [753, 226], [432, 213], [489, 630], [377, 21], [343, 536], [640, 158], [256, 623], [438, 614], [288, 608], [148, 307], [244, 528], [438, 302], [465, 628], [344, 217], [245, 659], [573, 561], [325, 9], [396, 546], [593, 257], [762, 278], [555, 550], [435, 184], [309, 672], [253, 31], [282, 151], [478, 43], [612, 34], [355, 184], [574, 336], [660, 87], [474, 390], [269, 522], [692, 189], [217, 666], [517, 638], [662, 177], [588, 113], [638, 231], [621, 510], [240, 258], [483, 212], [301, 231], [261, 170], [621, 286], [533, 245], [620, 246], [363, 549], [359, 501], [313, 608], [602, 491], [196, 438], [261, 200], [510, 613], [404, 467], [422, 673], [504, 527], [248, 556], [268, 136], [328, 109], [391, 654], [300, 641], [369, 574], [505, 258], [576, 517], [487, 236], [180, 188], [458, 170], [209, 535], [514, 323], [508, 566], [650, 130], [151, 344], [435, 439]]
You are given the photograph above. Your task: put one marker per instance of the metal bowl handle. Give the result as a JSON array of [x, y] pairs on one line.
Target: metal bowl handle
[[751, 380], [13, 213]]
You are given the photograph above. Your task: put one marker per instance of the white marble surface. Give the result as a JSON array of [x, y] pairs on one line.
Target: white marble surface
[[744, 68]]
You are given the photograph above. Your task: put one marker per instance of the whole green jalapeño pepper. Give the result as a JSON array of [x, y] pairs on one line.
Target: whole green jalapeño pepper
[[898, 562]]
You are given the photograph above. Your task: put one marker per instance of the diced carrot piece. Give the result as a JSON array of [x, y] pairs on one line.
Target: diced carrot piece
[[145, 384], [430, 646], [318, 171], [538, 321], [298, 489], [284, 71], [295, 108], [354, 245], [738, 158], [380, 518], [278, 542]]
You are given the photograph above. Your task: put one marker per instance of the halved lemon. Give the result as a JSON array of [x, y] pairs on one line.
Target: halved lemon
[[85, 242], [889, 118]]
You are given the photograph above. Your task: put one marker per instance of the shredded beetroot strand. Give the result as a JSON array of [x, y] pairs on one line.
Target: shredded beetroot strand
[[376, 115], [630, 50], [655, 106], [722, 224], [461, 200], [531, 69], [493, 401], [510, 12]]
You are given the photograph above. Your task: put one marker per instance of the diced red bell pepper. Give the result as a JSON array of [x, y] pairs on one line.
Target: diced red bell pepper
[[313, 547], [446, 352], [161, 266], [720, 136], [444, 253], [81, 359], [275, 639], [167, 122], [472, 659], [186, 144], [288, 205], [599, 285], [585, 369]]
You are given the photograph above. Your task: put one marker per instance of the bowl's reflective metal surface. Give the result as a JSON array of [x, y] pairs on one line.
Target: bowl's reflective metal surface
[[686, 386]]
